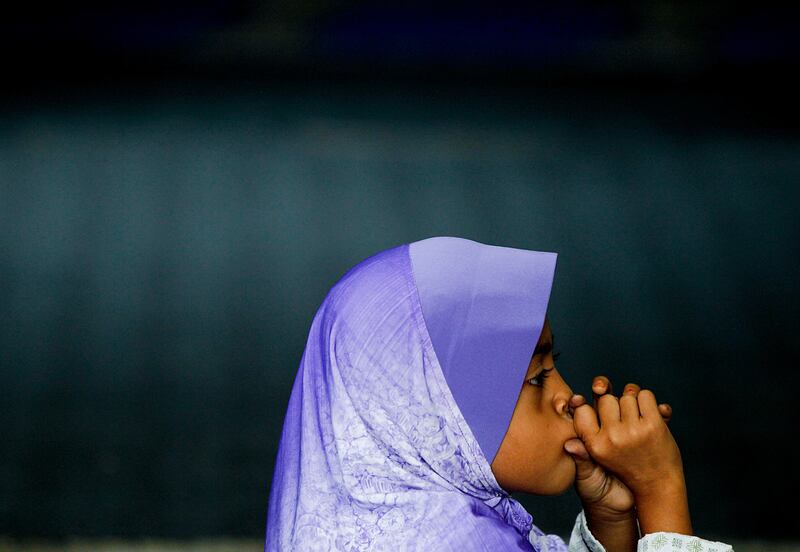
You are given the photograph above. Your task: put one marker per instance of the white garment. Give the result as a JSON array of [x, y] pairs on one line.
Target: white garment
[[582, 540]]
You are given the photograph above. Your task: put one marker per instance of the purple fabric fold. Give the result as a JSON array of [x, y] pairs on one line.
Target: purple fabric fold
[[383, 445], [484, 307]]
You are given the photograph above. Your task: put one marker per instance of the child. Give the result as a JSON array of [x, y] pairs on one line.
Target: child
[[423, 400]]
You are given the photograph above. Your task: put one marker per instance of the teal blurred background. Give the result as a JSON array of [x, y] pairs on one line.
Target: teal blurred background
[[169, 224]]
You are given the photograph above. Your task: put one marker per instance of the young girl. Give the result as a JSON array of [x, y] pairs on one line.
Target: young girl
[[427, 393]]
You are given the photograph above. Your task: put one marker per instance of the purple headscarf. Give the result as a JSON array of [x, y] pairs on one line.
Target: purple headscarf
[[405, 389]]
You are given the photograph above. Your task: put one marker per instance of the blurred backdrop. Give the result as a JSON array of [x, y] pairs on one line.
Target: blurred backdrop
[[181, 183]]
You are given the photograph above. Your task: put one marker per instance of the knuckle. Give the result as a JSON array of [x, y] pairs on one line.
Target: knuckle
[[653, 426], [637, 434], [606, 398], [598, 447], [616, 438]]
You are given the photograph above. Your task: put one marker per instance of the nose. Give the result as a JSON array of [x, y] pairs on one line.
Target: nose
[[561, 406], [561, 398]]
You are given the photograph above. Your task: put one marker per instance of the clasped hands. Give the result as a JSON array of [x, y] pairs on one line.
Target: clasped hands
[[625, 455]]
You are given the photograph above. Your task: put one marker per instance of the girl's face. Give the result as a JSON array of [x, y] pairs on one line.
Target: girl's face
[[531, 457]]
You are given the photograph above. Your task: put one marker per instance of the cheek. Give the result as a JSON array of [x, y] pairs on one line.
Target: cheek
[[543, 441], [537, 436], [557, 433]]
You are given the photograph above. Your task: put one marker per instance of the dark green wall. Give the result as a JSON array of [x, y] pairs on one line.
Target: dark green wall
[[161, 260]]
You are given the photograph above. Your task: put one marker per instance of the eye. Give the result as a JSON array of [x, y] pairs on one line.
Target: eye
[[539, 378]]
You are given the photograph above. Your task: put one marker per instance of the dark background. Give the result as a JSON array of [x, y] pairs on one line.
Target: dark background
[[181, 183]]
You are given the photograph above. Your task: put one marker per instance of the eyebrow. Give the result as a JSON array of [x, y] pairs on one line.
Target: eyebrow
[[545, 348]]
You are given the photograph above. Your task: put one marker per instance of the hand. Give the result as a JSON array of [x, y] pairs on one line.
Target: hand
[[631, 440], [602, 493]]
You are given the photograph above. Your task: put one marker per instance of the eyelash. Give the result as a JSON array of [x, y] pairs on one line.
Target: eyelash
[[544, 374]]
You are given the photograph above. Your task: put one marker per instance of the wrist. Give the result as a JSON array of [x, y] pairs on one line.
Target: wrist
[[615, 531], [669, 485], [664, 508]]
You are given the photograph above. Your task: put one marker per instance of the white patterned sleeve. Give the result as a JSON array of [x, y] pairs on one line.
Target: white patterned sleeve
[[582, 540], [673, 542]]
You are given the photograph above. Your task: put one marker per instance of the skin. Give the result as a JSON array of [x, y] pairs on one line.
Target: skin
[[531, 457], [619, 455], [628, 437]]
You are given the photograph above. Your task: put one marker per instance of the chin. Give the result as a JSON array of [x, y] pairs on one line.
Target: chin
[[563, 477], [560, 479], [569, 481]]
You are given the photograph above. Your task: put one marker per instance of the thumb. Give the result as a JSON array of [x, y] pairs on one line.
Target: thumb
[[583, 462]]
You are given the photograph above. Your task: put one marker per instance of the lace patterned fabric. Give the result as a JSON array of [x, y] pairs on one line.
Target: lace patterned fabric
[[582, 540]]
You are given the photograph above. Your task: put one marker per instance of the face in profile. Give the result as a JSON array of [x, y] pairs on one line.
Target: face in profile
[[531, 457]]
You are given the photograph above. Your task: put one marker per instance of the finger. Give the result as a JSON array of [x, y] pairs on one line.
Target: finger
[[585, 422], [608, 409], [666, 411], [600, 386], [631, 388], [583, 462], [628, 404], [577, 400], [574, 402], [647, 404]]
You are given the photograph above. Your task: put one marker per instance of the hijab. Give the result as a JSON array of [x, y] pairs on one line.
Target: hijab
[[405, 389]]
